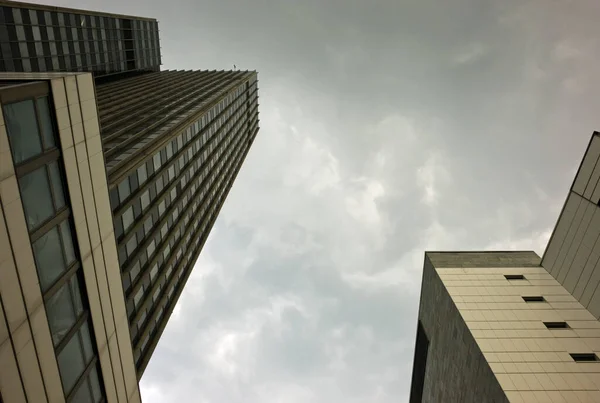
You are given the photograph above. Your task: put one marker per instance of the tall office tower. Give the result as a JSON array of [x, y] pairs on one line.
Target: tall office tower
[[511, 327], [38, 38], [110, 181]]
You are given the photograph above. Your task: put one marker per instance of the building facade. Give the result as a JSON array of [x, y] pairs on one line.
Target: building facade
[[39, 38], [112, 174], [509, 326]]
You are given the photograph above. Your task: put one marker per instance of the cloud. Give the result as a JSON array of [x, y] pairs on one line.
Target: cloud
[[470, 54]]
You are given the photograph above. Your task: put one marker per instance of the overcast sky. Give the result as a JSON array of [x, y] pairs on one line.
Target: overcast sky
[[387, 128]]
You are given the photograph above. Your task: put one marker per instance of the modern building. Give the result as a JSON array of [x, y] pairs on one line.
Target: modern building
[[511, 326], [110, 181], [39, 38]]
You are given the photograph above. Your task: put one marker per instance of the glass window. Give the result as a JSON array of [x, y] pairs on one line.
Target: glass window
[[21, 124], [148, 225], [157, 162], [135, 271], [127, 218], [159, 185], [49, 259], [151, 247], [138, 296], [46, 122], [161, 208], [171, 173], [61, 312], [142, 174], [124, 189], [131, 245], [57, 188], [37, 201], [153, 272], [67, 240], [142, 319], [145, 199], [169, 150], [71, 361]]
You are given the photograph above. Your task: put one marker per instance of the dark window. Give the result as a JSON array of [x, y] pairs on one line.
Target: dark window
[[556, 325], [514, 277], [584, 357], [22, 130], [63, 309], [36, 196], [534, 298]]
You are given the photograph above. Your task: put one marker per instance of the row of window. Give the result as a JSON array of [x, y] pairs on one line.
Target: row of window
[[127, 186], [192, 251], [148, 253], [193, 211], [39, 17], [32, 137]]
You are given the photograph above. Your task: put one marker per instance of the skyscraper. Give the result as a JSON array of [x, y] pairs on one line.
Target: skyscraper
[[111, 178], [511, 327]]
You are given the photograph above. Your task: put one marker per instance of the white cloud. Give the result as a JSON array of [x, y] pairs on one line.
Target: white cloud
[[470, 54]]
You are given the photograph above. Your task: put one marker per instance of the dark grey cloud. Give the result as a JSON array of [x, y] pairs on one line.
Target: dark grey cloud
[[387, 128]]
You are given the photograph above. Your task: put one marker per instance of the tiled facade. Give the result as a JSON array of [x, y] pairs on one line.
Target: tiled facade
[[529, 325], [573, 253], [527, 360], [65, 335], [38, 38]]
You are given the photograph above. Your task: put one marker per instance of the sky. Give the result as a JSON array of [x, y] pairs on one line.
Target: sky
[[387, 128]]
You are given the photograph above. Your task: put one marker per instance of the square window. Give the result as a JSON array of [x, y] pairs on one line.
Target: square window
[[21, 124], [124, 189], [127, 218], [131, 245], [161, 208], [142, 174], [148, 225], [145, 199], [37, 200], [134, 272], [153, 272], [151, 248], [138, 296]]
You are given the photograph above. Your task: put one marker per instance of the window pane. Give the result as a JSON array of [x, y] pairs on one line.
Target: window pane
[[124, 189], [127, 218], [22, 130], [86, 340], [45, 122], [65, 231], [135, 270], [138, 296], [95, 385], [57, 185], [49, 259], [142, 174], [82, 395], [61, 314], [35, 193], [153, 272], [70, 363], [145, 199]]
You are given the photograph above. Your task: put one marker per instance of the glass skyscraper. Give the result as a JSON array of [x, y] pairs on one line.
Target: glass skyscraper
[[112, 174]]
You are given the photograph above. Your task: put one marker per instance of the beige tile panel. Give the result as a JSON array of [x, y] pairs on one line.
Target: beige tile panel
[[124, 342], [100, 190], [113, 347], [85, 84], [559, 270], [66, 137], [10, 383], [12, 298], [3, 327], [75, 113], [30, 373], [78, 134], [560, 233], [46, 355], [89, 203], [6, 164], [59, 95], [71, 89], [587, 166], [592, 182], [62, 118], [104, 294], [94, 301], [107, 374], [572, 266]]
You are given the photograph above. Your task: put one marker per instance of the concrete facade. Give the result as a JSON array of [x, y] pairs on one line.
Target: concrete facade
[[30, 369]]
